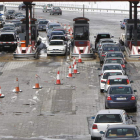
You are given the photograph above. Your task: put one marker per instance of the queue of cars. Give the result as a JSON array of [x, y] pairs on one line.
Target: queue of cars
[[113, 122]]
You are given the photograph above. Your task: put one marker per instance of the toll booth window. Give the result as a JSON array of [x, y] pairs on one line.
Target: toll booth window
[[33, 33], [81, 33], [7, 37], [1, 8]]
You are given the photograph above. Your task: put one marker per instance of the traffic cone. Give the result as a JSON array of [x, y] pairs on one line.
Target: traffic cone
[[37, 83], [16, 90], [58, 79], [70, 73], [1, 95], [75, 69], [79, 60], [74, 61]]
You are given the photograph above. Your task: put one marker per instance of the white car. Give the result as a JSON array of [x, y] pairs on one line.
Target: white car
[[117, 80], [107, 117], [104, 77], [57, 47]]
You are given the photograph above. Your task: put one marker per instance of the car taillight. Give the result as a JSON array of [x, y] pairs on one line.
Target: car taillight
[[133, 98], [94, 126], [123, 65], [109, 98], [108, 82], [99, 45], [127, 81], [102, 81]]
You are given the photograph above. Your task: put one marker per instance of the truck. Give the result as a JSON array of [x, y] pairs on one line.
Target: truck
[[47, 8]]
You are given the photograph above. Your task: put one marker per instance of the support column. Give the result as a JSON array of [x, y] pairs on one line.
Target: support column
[[135, 22], [27, 26], [130, 10]]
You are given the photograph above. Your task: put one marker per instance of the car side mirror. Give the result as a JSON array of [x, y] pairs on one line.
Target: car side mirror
[[135, 90], [101, 132]]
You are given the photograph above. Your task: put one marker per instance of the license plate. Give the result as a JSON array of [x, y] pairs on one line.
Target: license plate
[[121, 98], [7, 46]]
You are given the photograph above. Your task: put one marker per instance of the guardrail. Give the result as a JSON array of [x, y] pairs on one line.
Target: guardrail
[[71, 8]]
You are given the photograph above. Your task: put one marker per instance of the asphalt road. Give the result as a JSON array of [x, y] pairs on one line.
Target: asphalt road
[[57, 111]]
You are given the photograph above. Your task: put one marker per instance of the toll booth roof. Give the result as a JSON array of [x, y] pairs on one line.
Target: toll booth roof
[[132, 21], [81, 20]]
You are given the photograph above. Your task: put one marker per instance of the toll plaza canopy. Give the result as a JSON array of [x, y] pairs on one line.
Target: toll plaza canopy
[[64, 0]]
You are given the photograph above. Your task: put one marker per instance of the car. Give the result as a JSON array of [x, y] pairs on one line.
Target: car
[[8, 41], [121, 132], [104, 40], [115, 54], [17, 25], [121, 97], [111, 66], [47, 8], [2, 22], [105, 118], [111, 47], [22, 6], [19, 13], [10, 25], [116, 60], [58, 37], [50, 26], [100, 36], [105, 75], [10, 14], [9, 29], [56, 10], [57, 47], [20, 16], [122, 23], [42, 25], [55, 33], [117, 79]]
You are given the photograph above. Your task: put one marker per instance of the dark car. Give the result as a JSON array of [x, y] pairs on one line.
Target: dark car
[[42, 25], [122, 24], [8, 41], [121, 97], [121, 132], [56, 10], [55, 33], [17, 25], [22, 6], [107, 48], [2, 22], [9, 29], [100, 36], [10, 14], [19, 13]]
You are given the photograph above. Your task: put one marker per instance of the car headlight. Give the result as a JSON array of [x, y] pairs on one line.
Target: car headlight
[[62, 49]]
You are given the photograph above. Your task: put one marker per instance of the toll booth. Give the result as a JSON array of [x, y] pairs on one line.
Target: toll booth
[[34, 30], [81, 42], [129, 33]]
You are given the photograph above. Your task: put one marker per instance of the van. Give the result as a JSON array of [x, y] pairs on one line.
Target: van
[[3, 11]]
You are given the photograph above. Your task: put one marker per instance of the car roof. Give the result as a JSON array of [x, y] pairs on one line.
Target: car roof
[[7, 33], [114, 58], [112, 71], [121, 125], [111, 64], [115, 52], [111, 111], [121, 85], [118, 76]]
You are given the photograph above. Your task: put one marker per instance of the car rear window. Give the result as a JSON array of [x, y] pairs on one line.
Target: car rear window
[[57, 33], [111, 48], [112, 67], [114, 61], [115, 55], [7, 37], [121, 133], [108, 118], [105, 76], [51, 26], [120, 90], [118, 81], [43, 22]]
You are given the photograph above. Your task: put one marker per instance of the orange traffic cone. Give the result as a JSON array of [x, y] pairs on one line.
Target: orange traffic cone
[[75, 69], [74, 61], [37, 83], [58, 79], [70, 72], [79, 59], [16, 90], [1, 95]]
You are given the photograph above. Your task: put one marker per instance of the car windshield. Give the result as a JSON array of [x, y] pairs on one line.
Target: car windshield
[[56, 8], [57, 33], [105, 76], [7, 37], [58, 37], [114, 61], [51, 26], [107, 41], [8, 28], [120, 90], [110, 48], [43, 22], [59, 30], [121, 133], [118, 81], [10, 12], [108, 118], [114, 55], [56, 43], [112, 67], [99, 36], [7, 25]]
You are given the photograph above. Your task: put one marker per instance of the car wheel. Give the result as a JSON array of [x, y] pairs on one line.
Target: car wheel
[[93, 138], [101, 90], [61, 14], [134, 109]]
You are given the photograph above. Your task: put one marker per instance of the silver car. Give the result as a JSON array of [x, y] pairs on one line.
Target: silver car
[[107, 117]]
